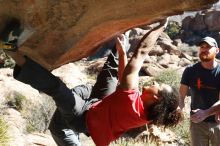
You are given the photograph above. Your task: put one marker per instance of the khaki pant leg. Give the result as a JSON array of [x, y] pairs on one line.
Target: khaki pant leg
[[199, 134], [214, 129]]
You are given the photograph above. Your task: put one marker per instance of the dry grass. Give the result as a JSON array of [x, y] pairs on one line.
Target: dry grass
[[4, 138]]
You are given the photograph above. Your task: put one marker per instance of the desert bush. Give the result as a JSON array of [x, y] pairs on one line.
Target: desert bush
[[8, 61], [4, 138], [37, 114], [173, 29], [16, 100], [133, 142], [168, 76], [182, 132]]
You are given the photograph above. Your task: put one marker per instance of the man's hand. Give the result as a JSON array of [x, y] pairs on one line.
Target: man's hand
[[121, 44], [199, 115], [217, 117], [150, 38]]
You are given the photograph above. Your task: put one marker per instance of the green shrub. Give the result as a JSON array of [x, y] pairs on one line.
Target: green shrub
[[8, 61], [37, 114], [134, 142], [182, 131], [29, 127], [173, 29], [16, 101], [169, 76], [4, 138]]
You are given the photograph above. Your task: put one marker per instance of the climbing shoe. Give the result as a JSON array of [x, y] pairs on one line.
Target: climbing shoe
[[9, 46]]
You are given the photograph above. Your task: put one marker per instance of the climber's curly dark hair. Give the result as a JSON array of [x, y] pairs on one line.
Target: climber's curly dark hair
[[165, 112]]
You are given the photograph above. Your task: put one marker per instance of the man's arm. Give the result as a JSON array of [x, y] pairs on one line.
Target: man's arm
[[130, 76], [183, 90], [121, 48], [201, 115], [217, 115]]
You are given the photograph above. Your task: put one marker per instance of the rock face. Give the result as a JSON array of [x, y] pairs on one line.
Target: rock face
[[203, 24], [57, 32]]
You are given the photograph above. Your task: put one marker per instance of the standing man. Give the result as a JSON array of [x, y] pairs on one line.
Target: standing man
[[203, 81]]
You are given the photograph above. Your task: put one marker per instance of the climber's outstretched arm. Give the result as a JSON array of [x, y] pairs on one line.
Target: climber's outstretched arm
[[130, 76]]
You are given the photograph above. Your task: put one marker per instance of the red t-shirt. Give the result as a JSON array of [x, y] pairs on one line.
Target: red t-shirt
[[114, 115]]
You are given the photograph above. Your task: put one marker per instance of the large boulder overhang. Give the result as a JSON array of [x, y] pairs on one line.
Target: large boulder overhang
[[56, 32]]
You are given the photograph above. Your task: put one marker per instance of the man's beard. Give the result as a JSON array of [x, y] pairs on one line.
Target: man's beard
[[206, 57]]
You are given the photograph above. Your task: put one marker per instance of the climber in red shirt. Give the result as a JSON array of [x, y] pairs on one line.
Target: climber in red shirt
[[111, 107], [127, 108]]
